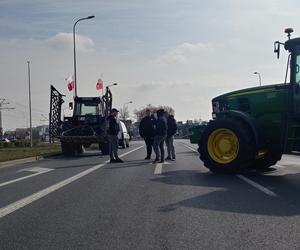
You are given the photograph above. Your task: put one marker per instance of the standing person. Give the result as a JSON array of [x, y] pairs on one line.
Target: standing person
[[160, 136], [113, 130], [146, 130], [172, 129]]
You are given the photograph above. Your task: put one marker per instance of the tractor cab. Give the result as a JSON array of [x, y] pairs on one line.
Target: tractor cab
[[293, 46], [90, 106], [86, 110]]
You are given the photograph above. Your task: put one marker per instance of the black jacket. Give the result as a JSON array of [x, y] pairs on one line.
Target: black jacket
[[146, 127], [161, 126], [113, 126], [172, 127]]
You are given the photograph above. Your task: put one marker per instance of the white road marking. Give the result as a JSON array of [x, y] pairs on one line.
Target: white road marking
[[247, 180], [189, 147], [158, 168], [257, 186], [279, 166], [36, 169], [42, 193]]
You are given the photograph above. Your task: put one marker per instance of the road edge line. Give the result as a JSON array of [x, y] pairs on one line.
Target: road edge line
[[44, 192]]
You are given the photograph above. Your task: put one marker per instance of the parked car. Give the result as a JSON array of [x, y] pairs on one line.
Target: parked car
[[123, 135]]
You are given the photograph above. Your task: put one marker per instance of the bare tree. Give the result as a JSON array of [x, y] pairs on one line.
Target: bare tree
[[140, 113], [124, 113]]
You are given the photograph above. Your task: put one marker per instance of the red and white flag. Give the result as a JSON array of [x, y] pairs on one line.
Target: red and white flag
[[71, 83], [99, 84]]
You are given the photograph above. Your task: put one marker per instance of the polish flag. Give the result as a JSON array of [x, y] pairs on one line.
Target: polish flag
[[71, 83], [99, 84]]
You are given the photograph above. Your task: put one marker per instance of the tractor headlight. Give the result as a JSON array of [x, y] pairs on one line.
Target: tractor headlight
[[219, 106], [216, 107]]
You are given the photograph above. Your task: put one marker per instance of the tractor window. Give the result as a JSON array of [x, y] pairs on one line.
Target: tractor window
[[298, 69], [88, 108]]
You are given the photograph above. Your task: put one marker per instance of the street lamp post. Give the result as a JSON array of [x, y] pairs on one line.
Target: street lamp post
[[124, 116], [259, 77], [113, 84], [107, 98], [75, 76], [29, 93]]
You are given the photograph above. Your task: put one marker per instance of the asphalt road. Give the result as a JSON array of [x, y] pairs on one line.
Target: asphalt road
[[87, 203]]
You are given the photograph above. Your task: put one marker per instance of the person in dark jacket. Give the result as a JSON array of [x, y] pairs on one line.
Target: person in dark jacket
[[146, 130], [172, 129], [113, 130], [160, 136]]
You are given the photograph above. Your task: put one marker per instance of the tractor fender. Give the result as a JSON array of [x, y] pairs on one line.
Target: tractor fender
[[195, 133], [257, 131]]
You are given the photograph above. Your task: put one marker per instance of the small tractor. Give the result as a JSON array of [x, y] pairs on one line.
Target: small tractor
[[252, 128], [86, 126]]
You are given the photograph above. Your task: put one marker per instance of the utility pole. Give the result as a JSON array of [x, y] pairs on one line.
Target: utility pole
[[29, 93], [2, 103]]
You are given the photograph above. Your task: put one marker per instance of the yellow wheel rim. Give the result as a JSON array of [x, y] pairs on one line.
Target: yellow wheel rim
[[223, 145]]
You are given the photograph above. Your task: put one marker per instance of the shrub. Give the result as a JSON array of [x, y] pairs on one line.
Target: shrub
[[6, 144]]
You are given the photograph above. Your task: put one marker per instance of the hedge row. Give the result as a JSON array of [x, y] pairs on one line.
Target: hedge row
[[17, 144]]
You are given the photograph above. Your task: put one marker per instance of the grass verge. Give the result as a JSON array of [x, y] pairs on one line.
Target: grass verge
[[8, 154]]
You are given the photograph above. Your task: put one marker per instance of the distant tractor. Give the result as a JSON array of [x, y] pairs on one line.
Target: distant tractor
[[86, 126], [252, 128]]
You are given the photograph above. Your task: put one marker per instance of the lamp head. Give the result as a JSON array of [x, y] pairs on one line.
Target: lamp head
[[90, 17]]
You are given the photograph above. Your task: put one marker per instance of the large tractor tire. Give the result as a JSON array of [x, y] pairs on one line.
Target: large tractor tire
[[104, 147], [78, 148], [226, 146], [68, 149], [269, 160]]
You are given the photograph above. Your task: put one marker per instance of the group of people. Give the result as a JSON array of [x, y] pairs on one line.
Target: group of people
[[158, 129]]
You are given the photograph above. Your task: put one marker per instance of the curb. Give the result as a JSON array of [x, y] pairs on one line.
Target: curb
[[6, 164]]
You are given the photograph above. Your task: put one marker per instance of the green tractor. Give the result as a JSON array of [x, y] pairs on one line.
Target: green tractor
[[252, 128]]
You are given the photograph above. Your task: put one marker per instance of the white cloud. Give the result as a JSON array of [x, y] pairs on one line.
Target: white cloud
[[65, 40], [185, 53]]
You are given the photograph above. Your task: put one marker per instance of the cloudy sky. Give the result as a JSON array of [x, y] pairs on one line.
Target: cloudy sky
[[180, 53]]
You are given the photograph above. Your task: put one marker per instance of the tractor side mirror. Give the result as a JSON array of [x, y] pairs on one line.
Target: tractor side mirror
[[277, 48], [70, 105]]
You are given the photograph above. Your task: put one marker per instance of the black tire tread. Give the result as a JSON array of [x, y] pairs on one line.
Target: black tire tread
[[246, 156]]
